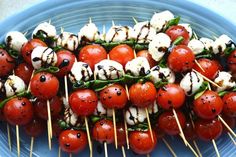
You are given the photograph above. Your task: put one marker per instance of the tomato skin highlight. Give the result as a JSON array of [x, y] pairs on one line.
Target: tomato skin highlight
[[114, 96], [141, 142], [92, 54], [189, 131], [73, 141], [35, 128], [208, 129], [208, 105], [148, 56], [83, 102], [7, 63], [142, 94], [18, 111], [232, 61], [176, 31], [170, 96], [24, 71], [103, 131], [181, 59], [229, 100], [122, 54]]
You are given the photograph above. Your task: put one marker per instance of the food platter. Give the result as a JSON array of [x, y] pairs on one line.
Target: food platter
[[72, 15]]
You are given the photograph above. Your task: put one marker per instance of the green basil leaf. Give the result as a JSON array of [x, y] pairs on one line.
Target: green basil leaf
[[178, 40], [94, 119], [222, 93], [99, 85], [50, 69], [172, 22], [204, 55], [234, 89], [160, 84], [13, 53], [2, 46], [62, 124], [162, 63], [83, 85], [139, 47], [201, 90], [138, 127], [228, 51]]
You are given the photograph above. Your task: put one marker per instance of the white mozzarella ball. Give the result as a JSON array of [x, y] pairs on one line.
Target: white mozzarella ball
[[224, 80], [71, 118], [143, 31], [135, 115], [46, 29], [68, 41], [108, 70], [208, 43], [80, 71], [88, 33], [14, 85], [188, 28], [152, 109], [101, 111], [43, 57], [15, 40], [221, 43], [191, 83], [119, 34], [162, 74], [159, 46], [138, 66], [159, 20], [196, 46]]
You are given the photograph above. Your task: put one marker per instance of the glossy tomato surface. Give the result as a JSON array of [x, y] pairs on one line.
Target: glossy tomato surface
[[148, 56], [7, 63], [35, 128], [229, 101], [24, 71], [178, 31]]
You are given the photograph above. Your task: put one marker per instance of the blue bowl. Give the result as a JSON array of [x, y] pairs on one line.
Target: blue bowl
[[72, 15]]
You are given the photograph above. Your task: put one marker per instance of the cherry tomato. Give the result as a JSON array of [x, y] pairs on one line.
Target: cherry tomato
[[148, 56], [83, 102], [142, 94], [208, 129], [73, 141], [176, 31], [208, 105], [141, 142], [7, 63], [44, 85], [24, 71], [92, 54], [114, 96], [65, 61], [18, 111], [121, 138], [28, 47], [230, 121], [170, 96], [211, 67], [232, 61], [230, 104], [167, 122], [103, 131], [122, 54], [35, 128], [181, 59], [189, 131], [41, 111]]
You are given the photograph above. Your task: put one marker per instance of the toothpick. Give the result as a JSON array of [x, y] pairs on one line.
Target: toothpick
[[66, 89], [18, 140], [59, 151], [169, 147], [197, 148], [88, 135], [135, 20], [49, 137], [31, 146], [105, 149], [196, 62], [126, 131], [148, 155], [49, 21], [9, 136], [25, 33], [49, 119], [232, 139], [190, 147], [123, 151], [90, 20], [70, 155], [227, 126], [28, 89], [114, 123], [215, 147], [62, 29], [113, 23], [149, 124]]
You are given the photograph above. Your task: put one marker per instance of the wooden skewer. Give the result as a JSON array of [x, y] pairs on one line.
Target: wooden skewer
[[49, 137], [215, 147], [190, 147], [88, 135], [197, 148], [59, 151], [232, 139], [149, 124], [123, 151], [49, 21], [49, 119], [70, 155], [114, 123], [126, 131], [9, 136], [148, 155], [135, 20], [18, 140], [227, 126], [169, 147], [31, 146], [196, 62], [105, 149]]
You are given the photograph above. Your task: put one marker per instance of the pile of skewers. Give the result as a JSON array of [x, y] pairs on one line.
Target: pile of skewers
[[129, 86]]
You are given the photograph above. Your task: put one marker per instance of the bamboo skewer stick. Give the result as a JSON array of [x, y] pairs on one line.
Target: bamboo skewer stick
[[9, 136], [126, 131], [215, 147], [49, 137], [70, 155], [59, 151], [227, 126], [196, 62], [149, 124], [105, 149], [31, 146], [123, 151], [89, 138], [18, 140], [114, 123], [169, 147], [49, 119], [231, 137]]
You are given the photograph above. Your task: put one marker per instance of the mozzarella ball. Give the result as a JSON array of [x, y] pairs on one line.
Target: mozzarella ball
[[188, 28], [80, 71], [43, 57], [45, 29], [138, 66], [101, 111], [196, 46], [88, 33], [15, 40], [71, 118], [1, 86], [14, 85], [108, 70], [159, 46], [153, 109], [221, 43], [224, 80], [135, 115], [162, 74], [68, 41], [119, 34], [191, 83], [143, 31], [208, 43], [159, 20]]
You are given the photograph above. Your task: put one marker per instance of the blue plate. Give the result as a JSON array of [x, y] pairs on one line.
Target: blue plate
[[72, 15]]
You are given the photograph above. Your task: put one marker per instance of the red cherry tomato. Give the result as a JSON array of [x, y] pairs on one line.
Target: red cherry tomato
[[211, 67], [208, 129], [35, 128], [167, 122], [170, 96], [18, 111], [148, 56], [230, 121], [24, 71], [65, 61], [44, 85], [189, 131], [181, 59], [230, 104], [208, 105], [73, 141], [141, 142], [92, 54], [142, 94], [121, 138], [103, 131], [232, 61], [41, 111], [122, 54], [28, 47], [176, 31], [83, 102], [7, 63], [114, 96]]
